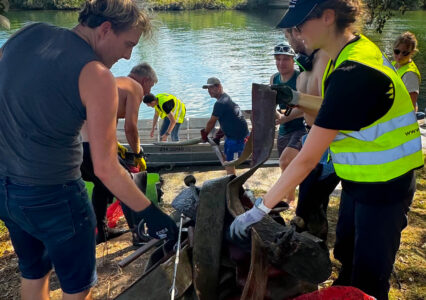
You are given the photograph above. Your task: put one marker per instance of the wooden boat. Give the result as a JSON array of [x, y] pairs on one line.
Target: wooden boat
[[170, 154]]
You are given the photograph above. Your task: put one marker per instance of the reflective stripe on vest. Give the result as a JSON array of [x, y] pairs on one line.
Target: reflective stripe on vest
[[178, 110], [391, 146], [409, 67]]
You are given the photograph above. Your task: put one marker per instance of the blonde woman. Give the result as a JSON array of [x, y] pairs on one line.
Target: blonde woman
[[374, 148], [404, 48]]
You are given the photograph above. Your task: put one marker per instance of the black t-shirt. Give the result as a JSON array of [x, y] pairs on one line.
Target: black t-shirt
[[355, 97], [230, 118], [168, 106]]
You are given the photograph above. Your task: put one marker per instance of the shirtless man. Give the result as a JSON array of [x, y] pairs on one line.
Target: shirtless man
[[131, 90], [315, 190]]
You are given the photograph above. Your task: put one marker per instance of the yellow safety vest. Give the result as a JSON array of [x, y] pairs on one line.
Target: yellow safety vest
[[391, 146], [409, 67], [178, 110]]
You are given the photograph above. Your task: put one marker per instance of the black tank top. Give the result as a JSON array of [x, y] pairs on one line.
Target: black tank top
[[41, 111]]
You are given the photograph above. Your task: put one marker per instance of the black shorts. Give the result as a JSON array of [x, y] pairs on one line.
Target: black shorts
[[292, 140]]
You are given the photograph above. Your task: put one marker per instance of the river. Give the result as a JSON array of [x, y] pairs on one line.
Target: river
[[235, 46]]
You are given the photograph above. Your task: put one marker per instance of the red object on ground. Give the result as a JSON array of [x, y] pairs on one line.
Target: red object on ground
[[114, 212], [133, 169], [336, 293]]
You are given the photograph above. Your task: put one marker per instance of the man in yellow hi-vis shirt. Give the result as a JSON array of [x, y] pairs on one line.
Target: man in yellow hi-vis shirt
[[169, 108]]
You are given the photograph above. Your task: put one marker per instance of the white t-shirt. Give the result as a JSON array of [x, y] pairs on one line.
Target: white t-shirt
[[411, 81]]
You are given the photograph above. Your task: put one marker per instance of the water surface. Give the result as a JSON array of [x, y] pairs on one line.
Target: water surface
[[235, 46]]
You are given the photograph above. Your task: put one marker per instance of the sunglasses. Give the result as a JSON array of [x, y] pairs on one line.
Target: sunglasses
[[404, 53], [309, 17], [280, 49]]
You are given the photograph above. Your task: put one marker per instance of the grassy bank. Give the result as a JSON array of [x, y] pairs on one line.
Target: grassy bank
[[407, 282]]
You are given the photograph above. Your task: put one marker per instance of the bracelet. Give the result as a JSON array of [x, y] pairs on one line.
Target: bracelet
[[262, 207]]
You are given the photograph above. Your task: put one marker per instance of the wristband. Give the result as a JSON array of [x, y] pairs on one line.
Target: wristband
[[262, 206]]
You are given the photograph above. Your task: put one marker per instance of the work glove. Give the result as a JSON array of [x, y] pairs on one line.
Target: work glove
[[239, 227], [140, 163], [219, 134], [121, 150], [286, 95], [160, 226], [204, 135]]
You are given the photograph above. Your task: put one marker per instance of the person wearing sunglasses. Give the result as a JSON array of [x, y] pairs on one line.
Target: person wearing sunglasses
[[405, 47], [368, 122], [291, 128]]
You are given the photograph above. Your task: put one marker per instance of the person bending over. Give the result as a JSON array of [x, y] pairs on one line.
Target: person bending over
[[171, 110]]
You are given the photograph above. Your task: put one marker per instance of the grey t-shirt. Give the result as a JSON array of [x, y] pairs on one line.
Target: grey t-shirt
[[41, 111], [411, 81]]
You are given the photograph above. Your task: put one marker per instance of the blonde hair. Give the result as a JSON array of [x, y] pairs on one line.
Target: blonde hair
[[409, 39], [122, 14]]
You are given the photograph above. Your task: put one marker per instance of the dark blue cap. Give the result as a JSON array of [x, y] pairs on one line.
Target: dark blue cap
[[297, 12]]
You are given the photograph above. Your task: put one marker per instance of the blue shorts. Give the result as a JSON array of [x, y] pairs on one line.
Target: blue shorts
[[233, 148], [51, 225]]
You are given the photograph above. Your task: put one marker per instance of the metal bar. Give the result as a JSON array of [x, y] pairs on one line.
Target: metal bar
[[172, 292], [127, 260], [217, 150]]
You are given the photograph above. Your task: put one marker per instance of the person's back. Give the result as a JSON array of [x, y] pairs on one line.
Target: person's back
[[40, 137], [51, 80], [230, 117]]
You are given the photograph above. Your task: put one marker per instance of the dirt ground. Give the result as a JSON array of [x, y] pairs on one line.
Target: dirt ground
[[408, 282]]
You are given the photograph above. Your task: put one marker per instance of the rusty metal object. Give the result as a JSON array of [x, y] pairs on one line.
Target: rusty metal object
[[208, 237], [263, 122], [155, 283], [257, 280], [142, 250], [303, 256]]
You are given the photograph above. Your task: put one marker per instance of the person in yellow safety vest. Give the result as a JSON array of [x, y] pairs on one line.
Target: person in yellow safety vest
[[171, 110], [405, 47], [368, 121]]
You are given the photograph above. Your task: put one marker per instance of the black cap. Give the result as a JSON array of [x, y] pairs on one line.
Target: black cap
[[297, 12]]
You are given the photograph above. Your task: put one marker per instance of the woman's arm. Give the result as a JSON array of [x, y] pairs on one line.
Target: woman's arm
[[316, 144]]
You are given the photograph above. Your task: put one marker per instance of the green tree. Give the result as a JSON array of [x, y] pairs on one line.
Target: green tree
[[382, 10], [4, 7]]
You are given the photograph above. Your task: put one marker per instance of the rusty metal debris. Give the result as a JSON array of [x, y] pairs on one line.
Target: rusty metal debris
[[279, 263]]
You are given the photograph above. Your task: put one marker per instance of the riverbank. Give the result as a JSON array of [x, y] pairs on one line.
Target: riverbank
[[153, 4], [407, 283]]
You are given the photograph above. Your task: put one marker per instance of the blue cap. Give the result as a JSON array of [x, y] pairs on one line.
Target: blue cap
[[297, 12]]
